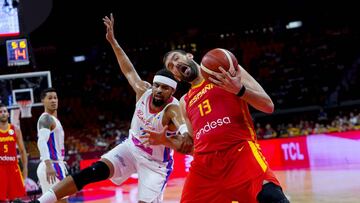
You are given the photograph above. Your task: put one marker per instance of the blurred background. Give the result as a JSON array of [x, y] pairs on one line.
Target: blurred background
[[305, 55]]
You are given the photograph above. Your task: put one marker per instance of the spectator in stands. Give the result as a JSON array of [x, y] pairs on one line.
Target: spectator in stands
[[259, 131], [322, 116], [354, 120], [293, 131], [269, 132]]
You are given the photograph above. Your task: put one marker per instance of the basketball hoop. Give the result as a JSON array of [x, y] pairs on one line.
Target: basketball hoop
[[25, 108]]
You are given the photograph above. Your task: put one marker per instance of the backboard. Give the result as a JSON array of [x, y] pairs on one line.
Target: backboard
[[23, 86]]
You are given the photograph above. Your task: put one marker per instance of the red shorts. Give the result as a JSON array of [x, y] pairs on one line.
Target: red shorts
[[232, 175], [12, 183]]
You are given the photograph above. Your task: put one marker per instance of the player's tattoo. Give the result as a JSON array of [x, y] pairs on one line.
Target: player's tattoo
[[46, 121]]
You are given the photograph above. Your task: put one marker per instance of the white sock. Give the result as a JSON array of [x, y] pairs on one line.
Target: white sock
[[48, 197]]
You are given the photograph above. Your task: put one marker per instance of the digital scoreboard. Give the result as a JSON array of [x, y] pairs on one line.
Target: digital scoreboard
[[17, 52]]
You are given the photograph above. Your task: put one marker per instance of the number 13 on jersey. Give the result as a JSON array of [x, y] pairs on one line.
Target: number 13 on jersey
[[204, 108]]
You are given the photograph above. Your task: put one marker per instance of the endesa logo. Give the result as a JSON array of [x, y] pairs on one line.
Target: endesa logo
[[212, 125], [7, 158]]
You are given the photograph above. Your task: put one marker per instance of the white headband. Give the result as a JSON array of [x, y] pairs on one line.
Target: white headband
[[165, 80]]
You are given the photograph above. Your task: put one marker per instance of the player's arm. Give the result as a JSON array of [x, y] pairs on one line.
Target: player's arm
[[126, 67], [182, 141], [22, 151], [252, 92], [46, 124]]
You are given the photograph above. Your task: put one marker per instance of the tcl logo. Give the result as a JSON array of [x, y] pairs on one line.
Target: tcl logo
[[292, 150]]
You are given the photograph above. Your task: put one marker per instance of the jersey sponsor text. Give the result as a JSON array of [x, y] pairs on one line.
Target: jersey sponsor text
[[8, 158], [212, 125]]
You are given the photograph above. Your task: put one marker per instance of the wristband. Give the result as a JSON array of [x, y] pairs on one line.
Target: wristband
[[183, 129], [241, 92]]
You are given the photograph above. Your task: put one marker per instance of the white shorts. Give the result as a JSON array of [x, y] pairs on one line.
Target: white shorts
[[61, 173], [127, 159]]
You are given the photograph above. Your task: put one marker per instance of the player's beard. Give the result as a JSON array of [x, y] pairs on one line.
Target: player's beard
[[194, 72], [158, 102]]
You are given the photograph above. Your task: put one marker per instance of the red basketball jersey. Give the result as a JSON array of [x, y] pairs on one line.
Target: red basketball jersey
[[219, 118], [8, 153]]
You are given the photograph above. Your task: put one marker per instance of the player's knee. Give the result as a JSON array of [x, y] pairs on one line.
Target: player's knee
[[97, 172], [272, 193]]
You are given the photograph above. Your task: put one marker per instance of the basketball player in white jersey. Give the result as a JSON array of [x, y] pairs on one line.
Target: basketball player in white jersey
[[156, 109], [50, 142]]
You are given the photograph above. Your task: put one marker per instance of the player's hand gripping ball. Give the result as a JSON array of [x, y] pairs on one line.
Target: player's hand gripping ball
[[216, 58]]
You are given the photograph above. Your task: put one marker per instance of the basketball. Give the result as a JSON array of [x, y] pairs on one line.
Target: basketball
[[216, 58]]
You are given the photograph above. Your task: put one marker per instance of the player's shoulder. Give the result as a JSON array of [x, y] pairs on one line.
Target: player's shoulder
[[171, 109], [173, 103], [174, 100], [46, 120], [44, 114], [182, 99], [14, 127], [145, 94], [11, 129]]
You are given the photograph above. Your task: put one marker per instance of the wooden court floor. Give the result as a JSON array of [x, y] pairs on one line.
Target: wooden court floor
[[326, 185]]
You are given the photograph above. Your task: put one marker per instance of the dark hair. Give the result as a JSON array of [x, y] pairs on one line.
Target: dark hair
[[2, 105], [43, 93], [164, 72], [175, 50]]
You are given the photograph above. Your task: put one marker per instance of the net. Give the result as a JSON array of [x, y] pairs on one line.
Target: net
[[25, 108]]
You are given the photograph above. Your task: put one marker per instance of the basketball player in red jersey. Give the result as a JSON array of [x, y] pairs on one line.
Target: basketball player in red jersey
[[12, 181], [228, 165]]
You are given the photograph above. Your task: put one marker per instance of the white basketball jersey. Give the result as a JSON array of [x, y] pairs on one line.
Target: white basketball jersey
[[55, 144], [144, 119]]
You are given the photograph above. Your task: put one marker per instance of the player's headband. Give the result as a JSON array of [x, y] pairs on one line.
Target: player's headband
[[165, 80]]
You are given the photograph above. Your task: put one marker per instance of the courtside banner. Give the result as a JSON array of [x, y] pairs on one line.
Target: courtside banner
[[286, 153], [339, 149]]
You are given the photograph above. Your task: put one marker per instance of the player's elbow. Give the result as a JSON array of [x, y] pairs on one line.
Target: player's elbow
[[22, 151], [269, 107]]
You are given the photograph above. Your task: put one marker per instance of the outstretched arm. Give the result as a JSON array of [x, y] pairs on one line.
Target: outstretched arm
[[126, 67], [254, 94], [46, 124], [22, 151]]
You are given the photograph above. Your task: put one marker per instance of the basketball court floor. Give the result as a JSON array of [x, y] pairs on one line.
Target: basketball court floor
[[323, 185]]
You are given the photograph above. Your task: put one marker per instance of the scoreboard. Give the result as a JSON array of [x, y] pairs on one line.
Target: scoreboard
[[17, 52]]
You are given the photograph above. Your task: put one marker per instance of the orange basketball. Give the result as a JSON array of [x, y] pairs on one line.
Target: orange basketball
[[216, 58]]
